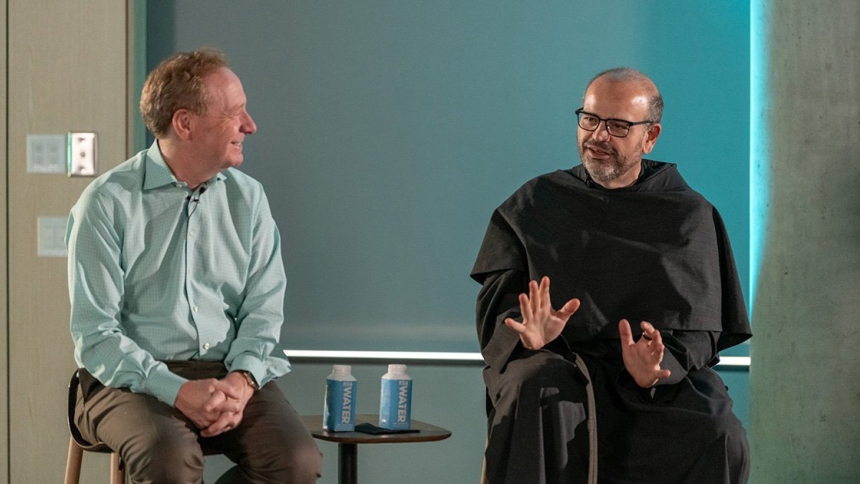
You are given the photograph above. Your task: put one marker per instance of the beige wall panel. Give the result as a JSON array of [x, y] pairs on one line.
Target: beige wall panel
[[67, 72], [4, 322]]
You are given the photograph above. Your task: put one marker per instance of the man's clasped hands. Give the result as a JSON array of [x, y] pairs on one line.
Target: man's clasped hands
[[214, 406]]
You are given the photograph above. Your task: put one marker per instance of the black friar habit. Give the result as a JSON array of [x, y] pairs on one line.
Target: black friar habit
[[656, 251]]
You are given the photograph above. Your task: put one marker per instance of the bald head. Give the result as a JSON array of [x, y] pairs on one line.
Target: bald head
[[640, 82]]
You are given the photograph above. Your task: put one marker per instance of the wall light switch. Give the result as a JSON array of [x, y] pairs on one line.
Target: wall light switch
[[51, 236], [46, 153], [82, 154]]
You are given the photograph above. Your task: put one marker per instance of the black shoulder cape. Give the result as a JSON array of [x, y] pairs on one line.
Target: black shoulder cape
[[656, 251]]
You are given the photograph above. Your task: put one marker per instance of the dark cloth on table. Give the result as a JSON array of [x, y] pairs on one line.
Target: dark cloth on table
[[656, 251]]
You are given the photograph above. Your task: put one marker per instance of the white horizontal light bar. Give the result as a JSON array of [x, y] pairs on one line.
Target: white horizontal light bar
[[436, 356], [734, 361], [385, 355]]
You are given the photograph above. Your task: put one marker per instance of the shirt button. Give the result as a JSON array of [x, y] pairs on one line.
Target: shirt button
[[191, 232], [206, 346], [194, 309]]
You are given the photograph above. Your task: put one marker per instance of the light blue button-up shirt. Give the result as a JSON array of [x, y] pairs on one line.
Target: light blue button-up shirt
[[158, 272]]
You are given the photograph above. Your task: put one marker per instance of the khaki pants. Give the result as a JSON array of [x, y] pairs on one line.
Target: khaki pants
[[160, 445]]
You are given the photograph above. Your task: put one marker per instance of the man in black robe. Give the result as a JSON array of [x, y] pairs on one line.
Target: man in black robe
[[622, 239]]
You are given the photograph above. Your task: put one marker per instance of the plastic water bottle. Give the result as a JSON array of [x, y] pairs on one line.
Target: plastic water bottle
[[340, 391], [395, 402]]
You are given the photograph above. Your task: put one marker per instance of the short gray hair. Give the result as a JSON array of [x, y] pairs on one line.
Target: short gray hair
[[628, 74]]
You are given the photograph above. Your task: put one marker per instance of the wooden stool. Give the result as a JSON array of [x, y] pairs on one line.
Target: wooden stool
[[77, 445]]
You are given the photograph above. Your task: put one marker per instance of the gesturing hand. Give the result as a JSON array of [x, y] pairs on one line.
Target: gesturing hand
[[541, 323], [642, 358]]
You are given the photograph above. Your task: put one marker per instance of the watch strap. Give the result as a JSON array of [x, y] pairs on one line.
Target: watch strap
[[252, 382]]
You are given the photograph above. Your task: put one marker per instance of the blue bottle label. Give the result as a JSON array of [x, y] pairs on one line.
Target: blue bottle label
[[395, 407], [339, 412]]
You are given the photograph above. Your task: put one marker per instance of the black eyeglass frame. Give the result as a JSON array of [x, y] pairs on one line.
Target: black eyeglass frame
[[579, 112]]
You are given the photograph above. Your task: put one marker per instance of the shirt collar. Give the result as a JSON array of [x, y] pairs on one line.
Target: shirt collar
[[158, 174]]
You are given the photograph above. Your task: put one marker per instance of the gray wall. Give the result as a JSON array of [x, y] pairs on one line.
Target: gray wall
[[389, 131], [805, 379]]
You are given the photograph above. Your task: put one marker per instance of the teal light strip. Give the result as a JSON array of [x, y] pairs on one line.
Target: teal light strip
[[759, 141]]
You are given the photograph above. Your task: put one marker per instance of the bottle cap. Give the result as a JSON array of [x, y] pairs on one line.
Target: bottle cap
[[396, 368], [341, 368]]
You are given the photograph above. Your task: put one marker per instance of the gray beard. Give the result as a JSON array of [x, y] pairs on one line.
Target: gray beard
[[602, 172], [612, 168]]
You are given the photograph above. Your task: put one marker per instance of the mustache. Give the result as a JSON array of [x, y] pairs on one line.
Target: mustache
[[605, 147]]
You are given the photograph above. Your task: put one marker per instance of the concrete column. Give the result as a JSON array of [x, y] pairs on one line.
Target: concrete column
[[805, 373]]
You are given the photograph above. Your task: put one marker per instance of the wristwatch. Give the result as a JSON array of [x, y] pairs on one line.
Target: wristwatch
[[250, 379]]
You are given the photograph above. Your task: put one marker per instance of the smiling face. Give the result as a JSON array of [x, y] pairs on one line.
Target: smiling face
[[611, 161], [217, 134]]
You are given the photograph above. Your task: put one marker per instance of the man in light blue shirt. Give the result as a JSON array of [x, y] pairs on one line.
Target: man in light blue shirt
[[177, 286]]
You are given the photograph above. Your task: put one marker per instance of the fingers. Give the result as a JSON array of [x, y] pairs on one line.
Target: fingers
[[229, 405], [526, 308], [643, 357], [220, 402], [545, 302], [533, 302], [222, 397], [215, 399], [650, 335], [625, 332], [656, 339], [515, 325], [229, 390], [568, 309], [226, 422], [653, 337], [648, 330], [536, 306]]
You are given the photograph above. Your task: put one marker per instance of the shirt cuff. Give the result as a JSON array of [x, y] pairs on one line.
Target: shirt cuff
[[164, 384], [253, 366]]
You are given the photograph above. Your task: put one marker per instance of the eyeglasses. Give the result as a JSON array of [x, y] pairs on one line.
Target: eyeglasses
[[615, 127]]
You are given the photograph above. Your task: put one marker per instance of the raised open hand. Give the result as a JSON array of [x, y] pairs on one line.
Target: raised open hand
[[642, 358], [541, 323]]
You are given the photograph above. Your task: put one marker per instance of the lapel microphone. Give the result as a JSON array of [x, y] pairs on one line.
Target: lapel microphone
[[197, 197]]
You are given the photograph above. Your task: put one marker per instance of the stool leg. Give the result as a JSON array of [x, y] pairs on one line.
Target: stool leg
[[117, 471], [73, 463]]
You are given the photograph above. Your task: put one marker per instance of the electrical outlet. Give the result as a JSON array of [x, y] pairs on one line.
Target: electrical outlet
[[82, 154]]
